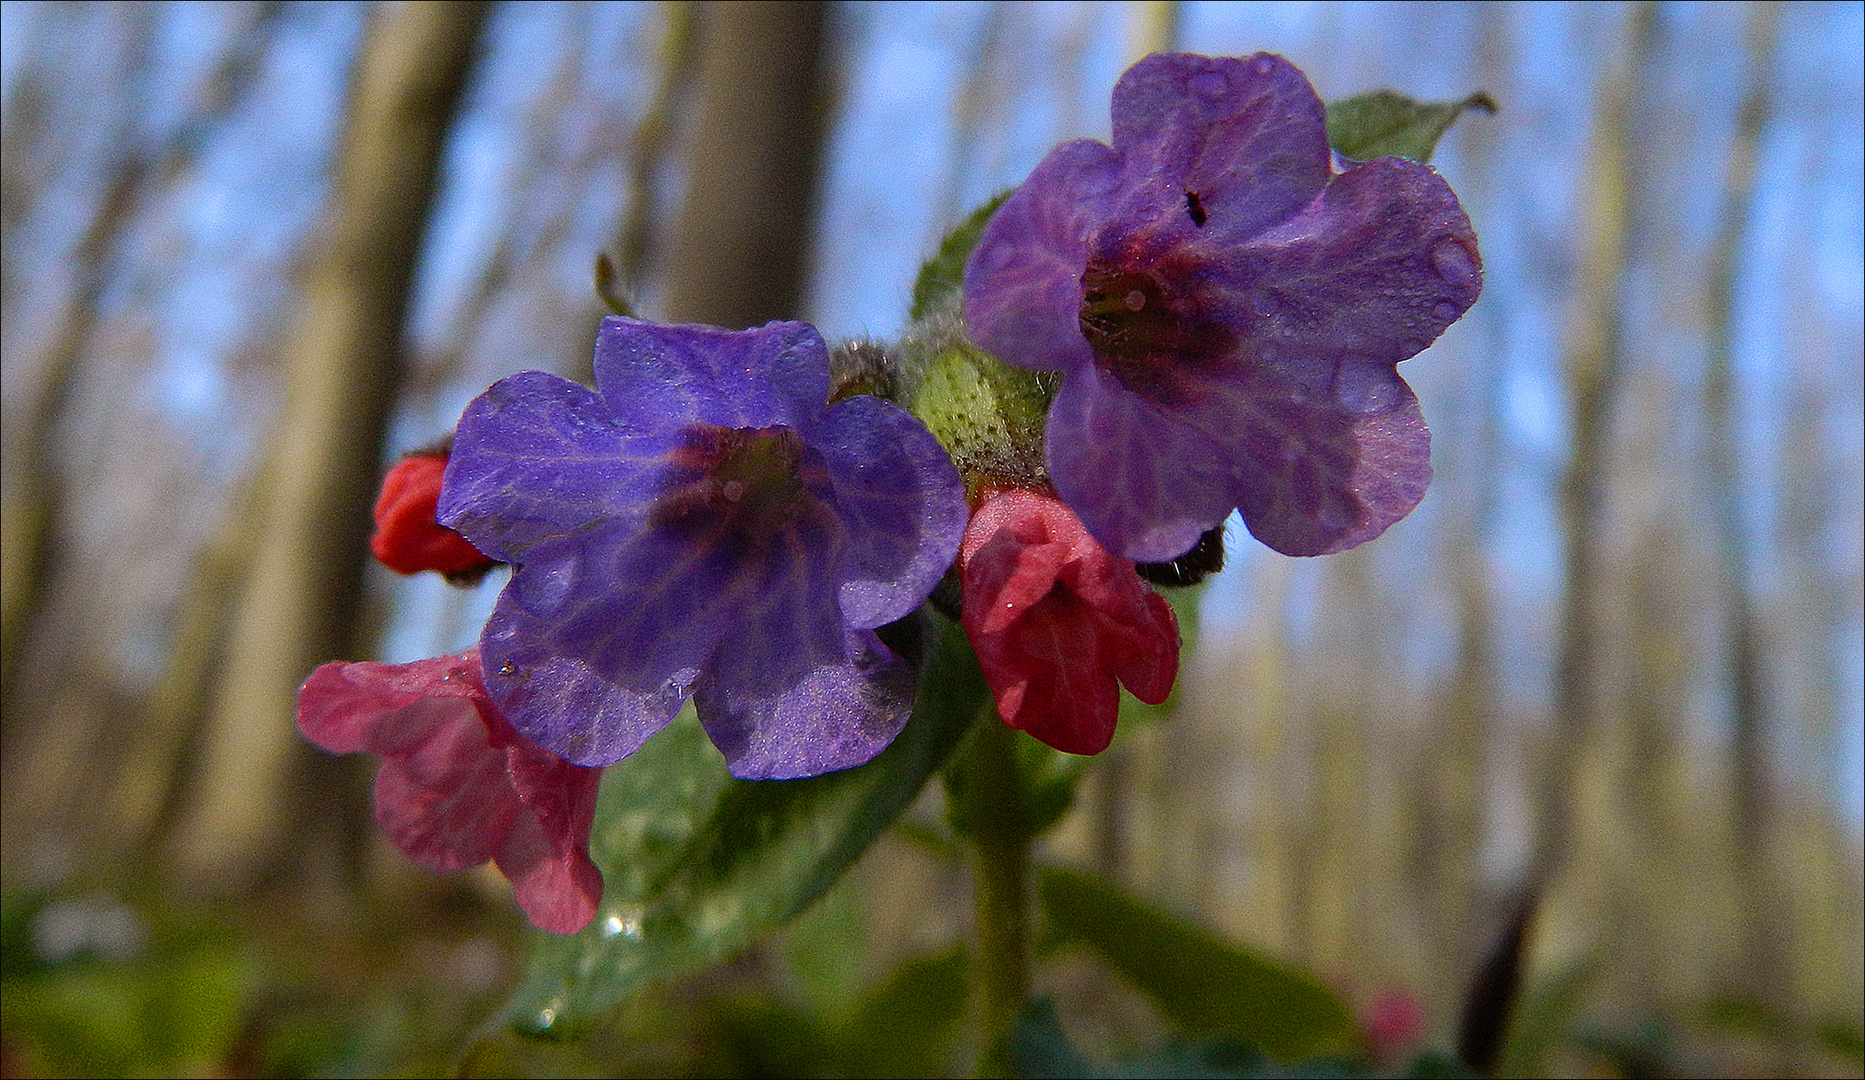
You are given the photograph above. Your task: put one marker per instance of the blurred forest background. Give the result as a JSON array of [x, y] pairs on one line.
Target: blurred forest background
[[254, 251]]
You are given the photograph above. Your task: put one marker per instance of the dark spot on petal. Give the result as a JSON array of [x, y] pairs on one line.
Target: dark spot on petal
[[1194, 208]]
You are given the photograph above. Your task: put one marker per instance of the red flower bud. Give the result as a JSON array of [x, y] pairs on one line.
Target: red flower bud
[[1059, 624], [408, 540]]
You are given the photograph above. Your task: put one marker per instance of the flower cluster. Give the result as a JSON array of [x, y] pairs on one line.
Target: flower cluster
[[715, 522]]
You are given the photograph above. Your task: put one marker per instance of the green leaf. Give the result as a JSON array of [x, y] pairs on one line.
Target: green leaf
[[1388, 124], [1041, 1051], [1204, 984], [1546, 1019], [697, 866], [1045, 782], [908, 1024], [943, 276]]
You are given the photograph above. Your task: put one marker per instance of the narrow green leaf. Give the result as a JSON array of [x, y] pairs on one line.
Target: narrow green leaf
[[697, 866], [1388, 124], [908, 1024], [943, 275], [1205, 985], [1546, 1018]]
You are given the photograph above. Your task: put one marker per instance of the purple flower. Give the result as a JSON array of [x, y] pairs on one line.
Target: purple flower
[[1228, 308], [704, 523]]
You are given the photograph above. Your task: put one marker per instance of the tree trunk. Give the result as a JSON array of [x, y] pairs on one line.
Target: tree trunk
[[1753, 779], [300, 606], [1594, 366], [740, 253]]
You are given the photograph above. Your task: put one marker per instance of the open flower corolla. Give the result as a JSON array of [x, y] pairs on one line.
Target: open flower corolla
[[704, 524], [1228, 301]]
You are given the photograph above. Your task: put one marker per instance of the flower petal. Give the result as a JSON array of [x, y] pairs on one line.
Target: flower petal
[[1144, 483], [1023, 280], [507, 485], [1371, 272], [1248, 137], [836, 717], [546, 853], [660, 377], [447, 804], [380, 708], [578, 673], [1321, 468], [409, 537], [1058, 624], [441, 793], [896, 489], [1059, 686]]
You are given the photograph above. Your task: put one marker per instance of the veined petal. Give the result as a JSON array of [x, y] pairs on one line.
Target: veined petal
[[1323, 466], [458, 784], [1371, 272], [590, 673], [658, 377], [896, 489], [1246, 137], [446, 805], [1144, 483], [837, 716], [1059, 624], [1023, 280], [538, 456], [546, 853]]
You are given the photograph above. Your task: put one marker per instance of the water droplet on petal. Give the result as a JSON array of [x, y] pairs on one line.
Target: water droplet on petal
[[508, 669], [1446, 311], [1135, 300], [1210, 85], [1265, 305], [1263, 66], [733, 490], [1454, 264]]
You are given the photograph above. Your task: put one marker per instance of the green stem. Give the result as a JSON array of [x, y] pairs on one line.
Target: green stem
[[1001, 853]]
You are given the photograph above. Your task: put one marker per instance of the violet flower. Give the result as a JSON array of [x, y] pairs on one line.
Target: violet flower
[[703, 524], [1228, 308], [457, 785]]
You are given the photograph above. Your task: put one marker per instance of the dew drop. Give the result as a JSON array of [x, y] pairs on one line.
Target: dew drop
[[1135, 300], [1263, 66], [508, 669], [733, 490], [1445, 311], [1209, 85], [1265, 305], [1454, 264]]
